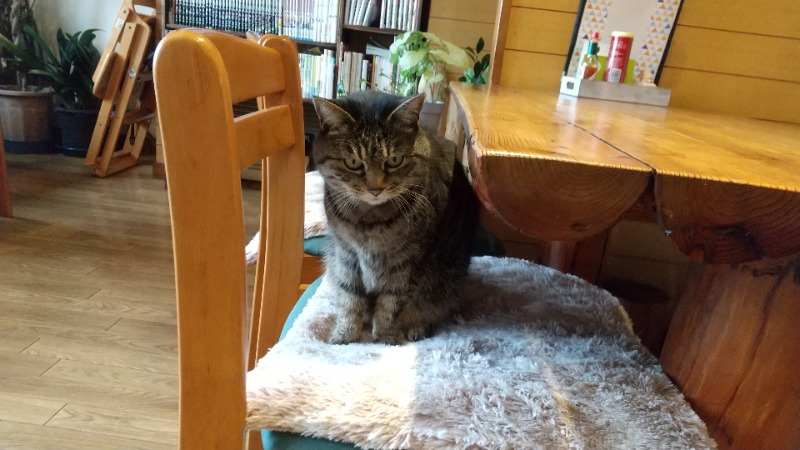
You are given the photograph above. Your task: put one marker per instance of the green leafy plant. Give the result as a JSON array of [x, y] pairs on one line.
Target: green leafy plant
[[423, 56], [15, 15], [68, 71], [480, 65]]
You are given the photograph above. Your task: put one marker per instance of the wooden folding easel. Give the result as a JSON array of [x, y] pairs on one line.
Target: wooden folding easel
[[125, 85]]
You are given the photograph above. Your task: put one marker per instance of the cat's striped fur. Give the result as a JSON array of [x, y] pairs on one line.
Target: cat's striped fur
[[401, 215]]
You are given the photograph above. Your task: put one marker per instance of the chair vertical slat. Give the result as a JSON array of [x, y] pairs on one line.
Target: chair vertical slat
[[283, 194], [206, 206]]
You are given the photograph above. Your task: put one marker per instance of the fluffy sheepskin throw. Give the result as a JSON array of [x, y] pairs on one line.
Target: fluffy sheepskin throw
[[540, 360], [314, 223]]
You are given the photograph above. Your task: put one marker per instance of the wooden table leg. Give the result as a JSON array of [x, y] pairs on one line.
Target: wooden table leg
[[733, 348], [581, 258]]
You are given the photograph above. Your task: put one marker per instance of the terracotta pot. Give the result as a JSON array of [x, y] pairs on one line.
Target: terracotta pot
[[26, 118]]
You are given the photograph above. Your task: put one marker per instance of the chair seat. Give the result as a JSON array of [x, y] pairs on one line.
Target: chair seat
[[541, 360]]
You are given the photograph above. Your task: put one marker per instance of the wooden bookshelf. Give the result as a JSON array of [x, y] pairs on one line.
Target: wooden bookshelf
[[346, 37]]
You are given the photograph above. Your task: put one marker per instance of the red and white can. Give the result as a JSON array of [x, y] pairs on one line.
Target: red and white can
[[619, 52]]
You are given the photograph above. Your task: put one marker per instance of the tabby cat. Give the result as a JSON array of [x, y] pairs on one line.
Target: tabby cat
[[401, 216]]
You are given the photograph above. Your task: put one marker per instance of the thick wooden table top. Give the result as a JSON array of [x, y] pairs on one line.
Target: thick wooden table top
[[556, 167]]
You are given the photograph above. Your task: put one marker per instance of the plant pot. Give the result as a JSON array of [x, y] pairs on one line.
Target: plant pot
[[26, 118], [430, 115], [76, 128]]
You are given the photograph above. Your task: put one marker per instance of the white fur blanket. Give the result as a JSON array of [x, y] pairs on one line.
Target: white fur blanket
[[314, 221], [542, 360]]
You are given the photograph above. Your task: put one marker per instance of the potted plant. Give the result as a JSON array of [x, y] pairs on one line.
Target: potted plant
[[422, 58], [25, 109], [68, 72]]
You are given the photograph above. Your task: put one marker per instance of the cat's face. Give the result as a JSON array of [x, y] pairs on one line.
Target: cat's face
[[368, 147]]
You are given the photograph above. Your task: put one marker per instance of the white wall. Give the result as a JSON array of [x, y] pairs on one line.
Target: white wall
[[76, 15]]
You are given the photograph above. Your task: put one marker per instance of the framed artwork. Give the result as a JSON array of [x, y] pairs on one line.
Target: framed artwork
[[652, 23]]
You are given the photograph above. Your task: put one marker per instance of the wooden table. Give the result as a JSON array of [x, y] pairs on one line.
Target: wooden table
[[726, 190]]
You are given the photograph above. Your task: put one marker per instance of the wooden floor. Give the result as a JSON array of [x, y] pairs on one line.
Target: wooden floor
[[88, 353]]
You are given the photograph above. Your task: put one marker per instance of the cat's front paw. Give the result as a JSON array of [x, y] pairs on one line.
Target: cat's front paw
[[417, 333], [345, 331], [399, 336]]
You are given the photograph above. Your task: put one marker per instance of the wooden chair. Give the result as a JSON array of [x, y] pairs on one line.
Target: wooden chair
[[198, 76], [124, 83]]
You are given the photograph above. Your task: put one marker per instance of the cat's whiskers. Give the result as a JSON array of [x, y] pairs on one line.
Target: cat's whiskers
[[405, 208], [423, 202], [343, 202]]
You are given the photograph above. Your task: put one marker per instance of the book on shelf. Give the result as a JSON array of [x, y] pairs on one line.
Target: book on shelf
[[390, 14], [369, 70], [312, 20], [316, 74]]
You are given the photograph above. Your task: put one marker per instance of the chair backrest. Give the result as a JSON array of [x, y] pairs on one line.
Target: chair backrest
[[198, 76]]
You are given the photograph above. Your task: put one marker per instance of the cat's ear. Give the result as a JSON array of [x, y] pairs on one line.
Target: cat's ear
[[406, 116], [332, 117]]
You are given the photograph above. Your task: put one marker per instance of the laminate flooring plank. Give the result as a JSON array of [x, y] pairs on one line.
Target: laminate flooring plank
[[156, 310], [46, 315], [110, 353], [22, 364], [20, 436], [15, 342], [158, 383], [120, 398], [115, 423], [20, 408]]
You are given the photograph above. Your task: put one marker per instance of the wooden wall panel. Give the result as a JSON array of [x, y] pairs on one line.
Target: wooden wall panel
[[731, 94], [736, 57], [553, 5], [769, 17], [482, 11], [752, 55], [538, 30], [463, 34], [537, 42], [532, 70]]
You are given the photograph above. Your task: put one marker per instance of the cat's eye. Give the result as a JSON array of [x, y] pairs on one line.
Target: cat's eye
[[395, 161], [353, 163]]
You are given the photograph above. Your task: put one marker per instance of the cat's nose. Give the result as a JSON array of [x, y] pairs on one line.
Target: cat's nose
[[376, 191]]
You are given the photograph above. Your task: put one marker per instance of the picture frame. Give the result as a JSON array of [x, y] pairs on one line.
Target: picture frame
[[652, 22]]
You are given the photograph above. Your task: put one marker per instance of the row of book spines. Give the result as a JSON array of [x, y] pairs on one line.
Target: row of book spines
[[316, 74], [300, 19], [359, 72], [394, 14]]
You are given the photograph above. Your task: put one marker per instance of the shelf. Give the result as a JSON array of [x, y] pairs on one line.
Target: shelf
[[374, 30], [302, 43]]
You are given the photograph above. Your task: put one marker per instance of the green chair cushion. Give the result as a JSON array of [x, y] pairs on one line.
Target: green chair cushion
[[314, 245]]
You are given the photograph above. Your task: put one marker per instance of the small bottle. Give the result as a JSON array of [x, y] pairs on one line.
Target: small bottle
[[589, 64], [619, 52]]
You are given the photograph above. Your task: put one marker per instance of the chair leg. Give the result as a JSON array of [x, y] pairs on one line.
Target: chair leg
[[254, 440]]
